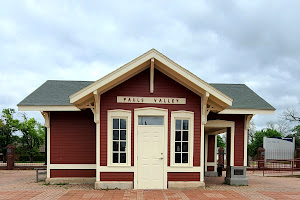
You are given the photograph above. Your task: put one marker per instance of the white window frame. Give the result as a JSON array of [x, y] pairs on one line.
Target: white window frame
[[122, 114], [182, 115]]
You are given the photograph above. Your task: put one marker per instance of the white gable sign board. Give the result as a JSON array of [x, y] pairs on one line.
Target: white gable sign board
[[279, 148]]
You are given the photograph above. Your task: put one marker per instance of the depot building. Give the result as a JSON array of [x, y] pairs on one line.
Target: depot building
[[150, 124]]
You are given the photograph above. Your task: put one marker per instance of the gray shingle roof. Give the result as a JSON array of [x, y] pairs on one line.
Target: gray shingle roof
[[243, 97], [56, 93]]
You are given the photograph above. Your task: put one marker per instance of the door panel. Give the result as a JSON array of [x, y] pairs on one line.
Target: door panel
[[150, 157]]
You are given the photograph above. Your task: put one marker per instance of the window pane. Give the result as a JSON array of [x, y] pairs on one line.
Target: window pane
[[122, 123], [122, 157], [185, 158], [185, 136], [178, 136], [115, 158], [185, 124], [177, 157], [151, 120], [115, 123], [122, 146], [115, 134], [178, 124], [115, 146], [123, 135], [185, 147], [177, 147]]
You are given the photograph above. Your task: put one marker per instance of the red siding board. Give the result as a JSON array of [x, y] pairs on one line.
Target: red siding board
[[238, 135], [73, 138], [139, 86], [183, 176], [116, 176], [210, 168], [60, 173], [211, 148]]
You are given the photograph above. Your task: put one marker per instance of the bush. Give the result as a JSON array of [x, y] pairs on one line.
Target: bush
[[39, 158], [24, 158]]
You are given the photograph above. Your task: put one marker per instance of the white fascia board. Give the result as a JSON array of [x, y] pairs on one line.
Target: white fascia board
[[48, 108], [247, 111], [193, 78], [111, 76], [142, 59]]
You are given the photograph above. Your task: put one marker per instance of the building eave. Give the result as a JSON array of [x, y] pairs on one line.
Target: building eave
[[48, 108], [247, 111]]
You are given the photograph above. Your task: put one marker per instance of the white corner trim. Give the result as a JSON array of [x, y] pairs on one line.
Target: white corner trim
[[47, 122], [183, 115], [127, 68], [48, 108], [122, 114], [72, 166], [247, 111]]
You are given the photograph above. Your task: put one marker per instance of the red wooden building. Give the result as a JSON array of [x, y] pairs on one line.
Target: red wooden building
[[151, 124]]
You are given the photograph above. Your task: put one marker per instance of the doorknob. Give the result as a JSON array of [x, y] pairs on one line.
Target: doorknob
[[162, 156]]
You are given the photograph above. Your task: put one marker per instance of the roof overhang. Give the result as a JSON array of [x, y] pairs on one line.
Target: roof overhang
[[163, 64], [48, 108], [247, 111]]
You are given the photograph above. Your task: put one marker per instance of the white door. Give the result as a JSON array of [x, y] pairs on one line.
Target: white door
[[150, 157]]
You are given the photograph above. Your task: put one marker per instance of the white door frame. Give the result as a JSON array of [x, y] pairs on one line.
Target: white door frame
[[151, 111]]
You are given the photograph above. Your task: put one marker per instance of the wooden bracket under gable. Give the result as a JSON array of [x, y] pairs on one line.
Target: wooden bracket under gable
[[247, 121], [46, 116], [205, 108], [96, 108]]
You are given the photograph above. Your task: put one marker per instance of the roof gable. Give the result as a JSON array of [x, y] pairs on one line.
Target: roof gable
[[162, 63]]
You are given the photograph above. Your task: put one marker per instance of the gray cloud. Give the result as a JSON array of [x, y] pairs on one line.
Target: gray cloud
[[252, 42]]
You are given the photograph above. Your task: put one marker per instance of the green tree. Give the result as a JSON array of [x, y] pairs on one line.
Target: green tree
[[296, 134], [220, 141], [8, 126], [257, 140], [33, 135]]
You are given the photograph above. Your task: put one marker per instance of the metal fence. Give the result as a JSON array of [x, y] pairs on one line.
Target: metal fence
[[283, 166]]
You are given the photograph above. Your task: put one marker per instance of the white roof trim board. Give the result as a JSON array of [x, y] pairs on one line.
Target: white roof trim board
[[142, 59]]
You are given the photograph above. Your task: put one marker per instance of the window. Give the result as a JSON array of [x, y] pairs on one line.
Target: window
[[181, 141], [118, 138], [182, 135], [151, 120]]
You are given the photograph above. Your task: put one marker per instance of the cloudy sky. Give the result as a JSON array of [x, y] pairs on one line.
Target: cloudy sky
[[251, 42]]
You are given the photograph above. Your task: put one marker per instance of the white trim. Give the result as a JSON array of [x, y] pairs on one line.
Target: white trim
[[246, 129], [247, 111], [72, 166], [183, 169], [182, 115], [224, 124], [46, 115], [118, 113], [214, 164], [48, 108], [150, 111], [97, 99], [116, 169], [152, 76], [128, 68], [203, 104]]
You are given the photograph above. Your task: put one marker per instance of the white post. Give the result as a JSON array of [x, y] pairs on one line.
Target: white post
[[46, 116], [97, 121]]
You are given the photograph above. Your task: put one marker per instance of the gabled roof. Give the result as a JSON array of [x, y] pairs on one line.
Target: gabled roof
[[56, 93], [53, 93], [162, 63]]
